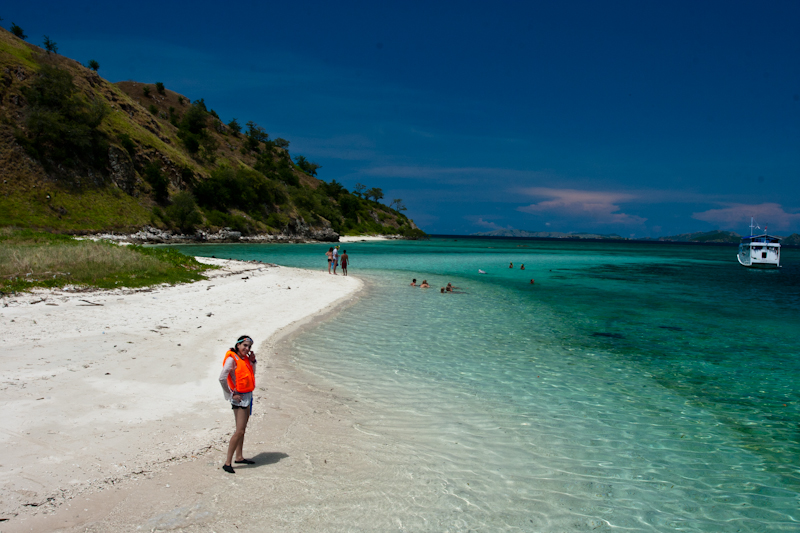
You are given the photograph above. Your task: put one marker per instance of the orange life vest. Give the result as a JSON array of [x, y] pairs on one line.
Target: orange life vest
[[245, 377]]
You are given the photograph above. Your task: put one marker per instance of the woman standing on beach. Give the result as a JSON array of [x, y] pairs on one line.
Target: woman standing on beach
[[238, 380], [329, 253]]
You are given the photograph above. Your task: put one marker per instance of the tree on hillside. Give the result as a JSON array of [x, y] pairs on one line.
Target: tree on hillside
[[255, 136], [157, 180], [183, 212], [61, 125], [191, 129], [359, 189], [235, 127], [306, 166], [160, 87], [398, 204], [146, 91], [375, 193], [94, 65], [334, 189], [17, 31], [282, 143], [50, 45]]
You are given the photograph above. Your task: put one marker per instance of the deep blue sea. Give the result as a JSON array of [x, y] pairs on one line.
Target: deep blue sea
[[633, 386]]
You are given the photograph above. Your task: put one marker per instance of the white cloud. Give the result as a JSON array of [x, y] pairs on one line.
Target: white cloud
[[479, 221], [599, 206], [738, 216]]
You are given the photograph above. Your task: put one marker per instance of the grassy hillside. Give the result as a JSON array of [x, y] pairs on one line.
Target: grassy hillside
[[81, 154]]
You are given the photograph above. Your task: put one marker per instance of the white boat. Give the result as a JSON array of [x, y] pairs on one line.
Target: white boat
[[760, 251]]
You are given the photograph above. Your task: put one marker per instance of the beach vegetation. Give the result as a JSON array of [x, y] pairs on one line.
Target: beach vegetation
[[30, 259]]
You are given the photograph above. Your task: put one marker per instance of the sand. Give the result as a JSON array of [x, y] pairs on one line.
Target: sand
[[368, 238], [105, 394]]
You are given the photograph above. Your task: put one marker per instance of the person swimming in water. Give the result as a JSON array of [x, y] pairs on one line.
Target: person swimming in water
[[522, 267], [414, 282], [511, 265], [424, 284]]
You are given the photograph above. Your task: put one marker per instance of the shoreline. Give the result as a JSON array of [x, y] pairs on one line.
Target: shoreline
[[151, 235], [83, 418]]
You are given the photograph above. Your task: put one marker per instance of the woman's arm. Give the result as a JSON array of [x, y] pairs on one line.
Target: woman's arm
[[227, 370]]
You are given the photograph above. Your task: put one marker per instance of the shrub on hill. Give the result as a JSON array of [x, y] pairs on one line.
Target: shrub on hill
[[306, 166], [241, 188], [183, 213], [17, 31], [61, 124], [157, 180]]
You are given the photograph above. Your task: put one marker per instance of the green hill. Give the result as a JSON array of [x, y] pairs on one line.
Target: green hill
[[81, 154]]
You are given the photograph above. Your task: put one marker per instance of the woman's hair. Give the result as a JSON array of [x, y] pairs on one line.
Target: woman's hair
[[241, 339], [330, 249]]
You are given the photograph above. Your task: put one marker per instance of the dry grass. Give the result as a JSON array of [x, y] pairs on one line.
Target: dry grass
[[36, 259]]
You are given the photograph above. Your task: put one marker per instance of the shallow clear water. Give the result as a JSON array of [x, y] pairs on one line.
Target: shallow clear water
[[649, 387]]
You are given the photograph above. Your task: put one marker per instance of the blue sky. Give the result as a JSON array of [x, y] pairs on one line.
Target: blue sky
[[636, 118]]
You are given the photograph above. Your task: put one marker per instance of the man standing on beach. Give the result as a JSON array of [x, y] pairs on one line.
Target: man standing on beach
[[345, 261], [335, 259]]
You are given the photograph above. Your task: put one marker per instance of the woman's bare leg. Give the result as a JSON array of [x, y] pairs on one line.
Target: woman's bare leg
[[237, 439]]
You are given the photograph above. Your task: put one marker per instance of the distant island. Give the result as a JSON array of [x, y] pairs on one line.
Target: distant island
[[714, 236], [546, 234]]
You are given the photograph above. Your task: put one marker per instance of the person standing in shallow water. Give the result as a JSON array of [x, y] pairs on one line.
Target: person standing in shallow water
[[238, 380], [345, 261]]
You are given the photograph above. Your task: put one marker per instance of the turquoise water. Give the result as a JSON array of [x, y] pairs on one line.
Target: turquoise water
[[643, 387]]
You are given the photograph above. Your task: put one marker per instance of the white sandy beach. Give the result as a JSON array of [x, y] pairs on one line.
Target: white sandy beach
[[366, 238], [105, 390]]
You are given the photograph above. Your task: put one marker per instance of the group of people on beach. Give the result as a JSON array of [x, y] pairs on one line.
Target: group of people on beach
[[334, 258], [425, 285]]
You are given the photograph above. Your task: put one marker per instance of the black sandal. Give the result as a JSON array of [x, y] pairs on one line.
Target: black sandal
[[229, 469]]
